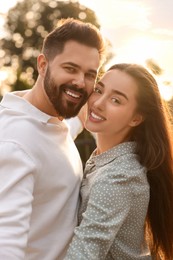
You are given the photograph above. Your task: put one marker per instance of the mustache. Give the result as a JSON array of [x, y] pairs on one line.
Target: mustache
[[74, 88]]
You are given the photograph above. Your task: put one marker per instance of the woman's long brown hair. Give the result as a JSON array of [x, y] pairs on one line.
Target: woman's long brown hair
[[154, 147]]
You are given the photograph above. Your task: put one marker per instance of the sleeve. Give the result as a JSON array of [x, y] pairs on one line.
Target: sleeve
[[75, 125], [108, 207], [16, 188]]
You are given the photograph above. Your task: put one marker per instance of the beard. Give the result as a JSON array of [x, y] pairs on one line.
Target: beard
[[56, 95]]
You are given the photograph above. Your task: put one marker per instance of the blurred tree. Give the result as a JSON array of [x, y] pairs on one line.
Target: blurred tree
[[158, 71], [154, 67], [27, 24]]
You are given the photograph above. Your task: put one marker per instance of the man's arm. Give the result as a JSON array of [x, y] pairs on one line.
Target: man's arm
[[16, 188]]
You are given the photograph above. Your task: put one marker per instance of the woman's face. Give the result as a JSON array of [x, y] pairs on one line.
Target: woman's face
[[112, 108]]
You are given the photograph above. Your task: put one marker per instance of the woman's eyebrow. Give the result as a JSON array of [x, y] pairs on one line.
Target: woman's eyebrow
[[120, 93], [101, 84], [114, 90]]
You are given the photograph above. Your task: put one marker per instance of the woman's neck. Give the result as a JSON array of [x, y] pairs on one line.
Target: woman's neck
[[105, 142]]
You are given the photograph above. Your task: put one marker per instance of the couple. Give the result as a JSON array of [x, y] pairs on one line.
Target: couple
[[125, 210]]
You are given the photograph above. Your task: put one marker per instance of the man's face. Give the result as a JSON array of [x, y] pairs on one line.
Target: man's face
[[70, 78]]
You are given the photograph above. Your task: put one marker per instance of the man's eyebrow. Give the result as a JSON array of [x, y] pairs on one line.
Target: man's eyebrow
[[71, 63], [78, 67], [113, 90]]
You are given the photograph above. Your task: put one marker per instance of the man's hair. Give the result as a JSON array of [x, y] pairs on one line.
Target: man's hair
[[72, 29]]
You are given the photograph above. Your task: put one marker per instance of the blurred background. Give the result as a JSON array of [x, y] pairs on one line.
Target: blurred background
[[139, 31]]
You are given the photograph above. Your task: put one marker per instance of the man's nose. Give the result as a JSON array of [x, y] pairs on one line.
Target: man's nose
[[79, 81]]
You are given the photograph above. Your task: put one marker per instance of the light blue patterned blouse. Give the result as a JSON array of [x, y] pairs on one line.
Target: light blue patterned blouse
[[114, 202]]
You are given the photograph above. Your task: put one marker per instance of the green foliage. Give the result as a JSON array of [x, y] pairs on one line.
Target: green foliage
[[20, 84], [28, 23]]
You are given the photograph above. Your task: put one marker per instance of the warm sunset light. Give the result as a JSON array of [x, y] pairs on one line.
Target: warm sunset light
[[166, 92], [3, 75], [139, 50], [137, 30], [3, 87]]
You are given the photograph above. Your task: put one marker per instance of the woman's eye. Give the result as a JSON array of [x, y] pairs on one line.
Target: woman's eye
[[116, 100], [97, 90]]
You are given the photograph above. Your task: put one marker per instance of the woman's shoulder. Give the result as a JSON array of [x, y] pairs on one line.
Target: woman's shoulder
[[122, 168]]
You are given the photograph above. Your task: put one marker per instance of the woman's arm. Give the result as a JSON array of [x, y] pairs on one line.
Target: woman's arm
[[108, 206]]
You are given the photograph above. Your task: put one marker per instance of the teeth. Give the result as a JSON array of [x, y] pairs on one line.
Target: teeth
[[72, 94], [95, 116]]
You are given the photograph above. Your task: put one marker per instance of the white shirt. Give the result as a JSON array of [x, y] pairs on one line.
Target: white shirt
[[75, 126], [40, 176]]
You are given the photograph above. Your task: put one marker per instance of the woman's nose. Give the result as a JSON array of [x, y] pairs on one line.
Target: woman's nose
[[99, 102]]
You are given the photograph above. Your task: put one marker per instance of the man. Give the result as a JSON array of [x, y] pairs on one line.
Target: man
[[40, 168]]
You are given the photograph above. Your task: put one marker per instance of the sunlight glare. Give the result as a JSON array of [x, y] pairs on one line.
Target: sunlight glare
[[3, 75], [166, 92], [165, 87], [140, 49]]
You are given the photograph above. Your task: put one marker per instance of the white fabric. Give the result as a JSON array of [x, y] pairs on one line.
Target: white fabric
[[75, 126], [40, 176]]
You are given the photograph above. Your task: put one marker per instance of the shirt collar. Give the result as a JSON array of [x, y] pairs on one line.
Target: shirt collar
[[112, 154], [14, 100]]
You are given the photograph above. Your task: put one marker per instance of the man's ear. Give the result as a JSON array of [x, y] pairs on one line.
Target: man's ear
[[137, 120], [42, 64]]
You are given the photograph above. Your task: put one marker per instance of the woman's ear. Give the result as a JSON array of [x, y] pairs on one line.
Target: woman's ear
[[137, 120], [41, 64]]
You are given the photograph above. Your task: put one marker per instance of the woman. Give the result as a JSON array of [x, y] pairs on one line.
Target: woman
[[127, 191]]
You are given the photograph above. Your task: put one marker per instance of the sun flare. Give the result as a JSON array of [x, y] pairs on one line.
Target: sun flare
[[138, 50]]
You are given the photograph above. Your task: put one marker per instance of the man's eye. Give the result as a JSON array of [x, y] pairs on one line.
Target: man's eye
[[70, 69], [91, 76]]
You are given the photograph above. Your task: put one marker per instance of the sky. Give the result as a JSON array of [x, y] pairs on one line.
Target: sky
[[137, 29]]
